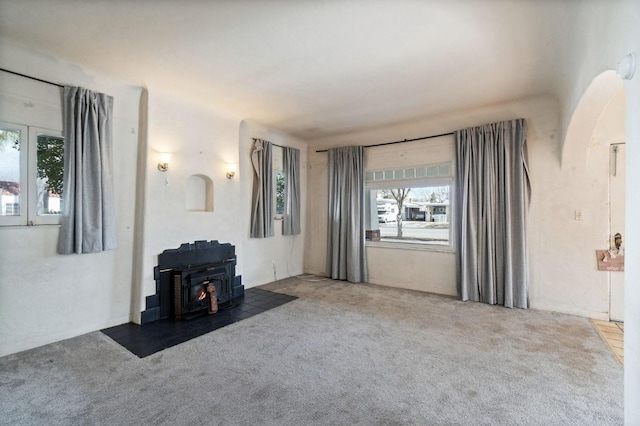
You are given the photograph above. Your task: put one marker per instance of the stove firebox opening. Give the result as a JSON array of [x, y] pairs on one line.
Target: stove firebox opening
[[200, 289]]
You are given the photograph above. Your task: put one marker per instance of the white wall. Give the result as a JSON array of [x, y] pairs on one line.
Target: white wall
[[285, 253], [599, 34], [564, 270], [632, 254], [432, 270], [45, 297], [418, 269], [427, 270], [602, 33], [201, 143]]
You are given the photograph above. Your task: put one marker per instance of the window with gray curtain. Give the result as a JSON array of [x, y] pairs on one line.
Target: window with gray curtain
[[492, 198], [346, 256], [88, 217], [262, 203], [291, 216]]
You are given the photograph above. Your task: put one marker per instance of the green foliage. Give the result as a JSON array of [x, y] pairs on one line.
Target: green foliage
[[10, 137], [279, 193], [51, 162]]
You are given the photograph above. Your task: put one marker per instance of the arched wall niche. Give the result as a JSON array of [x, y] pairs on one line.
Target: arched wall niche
[[199, 193]]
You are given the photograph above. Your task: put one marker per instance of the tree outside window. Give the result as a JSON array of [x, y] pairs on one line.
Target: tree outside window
[[422, 214], [50, 164]]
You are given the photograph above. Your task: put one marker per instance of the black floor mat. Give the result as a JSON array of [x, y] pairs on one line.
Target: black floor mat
[[145, 340]]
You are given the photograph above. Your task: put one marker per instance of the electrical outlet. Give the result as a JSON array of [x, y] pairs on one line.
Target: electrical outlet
[[579, 215]]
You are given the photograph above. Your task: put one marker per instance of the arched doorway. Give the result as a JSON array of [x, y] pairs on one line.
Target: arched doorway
[[594, 145]]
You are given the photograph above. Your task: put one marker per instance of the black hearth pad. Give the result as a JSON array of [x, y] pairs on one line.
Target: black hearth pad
[[145, 340]]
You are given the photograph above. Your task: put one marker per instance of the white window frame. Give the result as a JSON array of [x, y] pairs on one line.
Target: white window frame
[[28, 177], [394, 178], [20, 219]]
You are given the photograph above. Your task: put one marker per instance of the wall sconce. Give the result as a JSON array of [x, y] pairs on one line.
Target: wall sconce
[[163, 165], [231, 170]]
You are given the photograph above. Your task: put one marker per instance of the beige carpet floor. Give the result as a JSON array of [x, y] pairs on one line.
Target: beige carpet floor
[[340, 354]]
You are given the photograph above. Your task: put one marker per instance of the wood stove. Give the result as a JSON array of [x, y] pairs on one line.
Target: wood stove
[[206, 287], [193, 279]]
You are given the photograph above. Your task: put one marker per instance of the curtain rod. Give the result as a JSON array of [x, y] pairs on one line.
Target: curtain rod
[[395, 142], [32, 78], [274, 144]]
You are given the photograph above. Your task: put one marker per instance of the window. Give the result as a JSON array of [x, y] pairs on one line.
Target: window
[[278, 181], [31, 169], [411, 206]]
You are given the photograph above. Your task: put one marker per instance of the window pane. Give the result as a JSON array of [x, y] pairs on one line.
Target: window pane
[[279, 193], [9, 172], [424, 214], [50, 161]]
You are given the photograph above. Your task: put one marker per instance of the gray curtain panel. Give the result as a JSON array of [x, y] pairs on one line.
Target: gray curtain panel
[[346, 257], [88, 218], [262, 204], [291, 165], [492, 201]]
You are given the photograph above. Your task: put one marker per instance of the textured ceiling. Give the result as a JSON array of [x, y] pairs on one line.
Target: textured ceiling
[[308, 68]]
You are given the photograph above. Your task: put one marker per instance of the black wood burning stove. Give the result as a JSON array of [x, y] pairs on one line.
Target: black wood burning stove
[[193, 279], [206, 287]]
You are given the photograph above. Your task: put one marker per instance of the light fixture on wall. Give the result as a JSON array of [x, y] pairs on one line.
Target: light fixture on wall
[[626, 67], [163, 165], [231, 170]]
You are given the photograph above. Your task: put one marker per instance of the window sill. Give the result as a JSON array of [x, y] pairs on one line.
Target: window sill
[[410, 246], [35, 225]]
